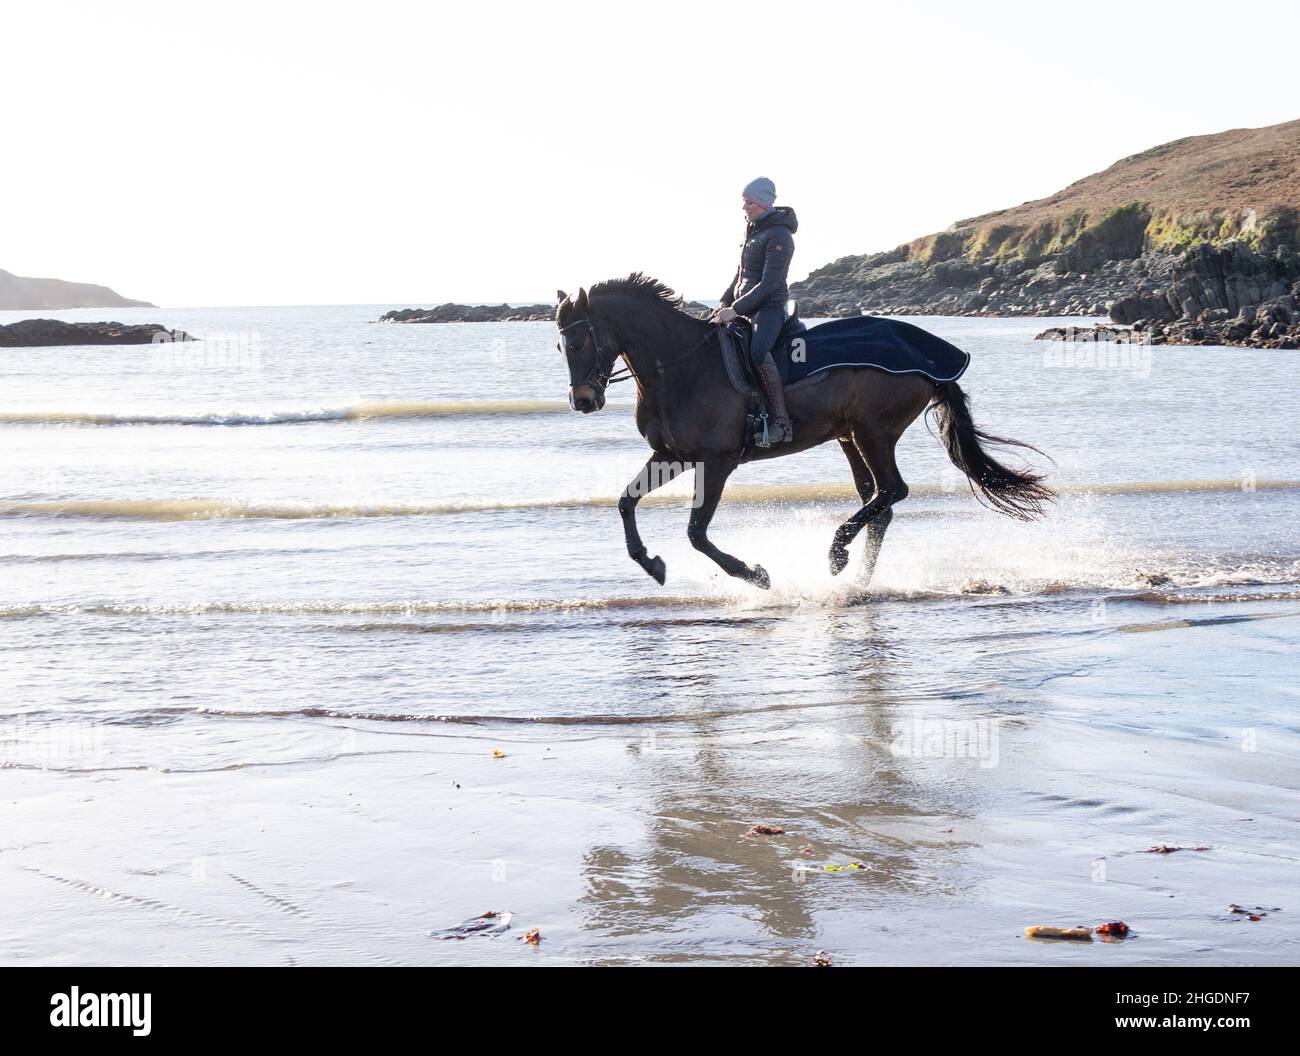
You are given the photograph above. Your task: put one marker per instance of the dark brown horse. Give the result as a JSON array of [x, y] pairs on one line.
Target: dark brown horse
[[692, 417]]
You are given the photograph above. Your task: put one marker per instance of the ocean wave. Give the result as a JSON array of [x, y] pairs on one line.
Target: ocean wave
[[795, 701], [194, 509], [1158, 597], [496, 613], [494, 608], [294, 416], [1198, 621]]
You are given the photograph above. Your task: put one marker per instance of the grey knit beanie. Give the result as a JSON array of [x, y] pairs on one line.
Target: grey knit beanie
[[761, 190]]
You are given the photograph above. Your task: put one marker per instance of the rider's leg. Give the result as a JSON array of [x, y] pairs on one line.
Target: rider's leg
[[767, 325]]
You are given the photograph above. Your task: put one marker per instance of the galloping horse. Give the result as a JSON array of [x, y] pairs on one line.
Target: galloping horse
[[689, 413]]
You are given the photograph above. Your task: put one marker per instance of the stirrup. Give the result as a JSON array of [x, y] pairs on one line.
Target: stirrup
[[774, 431]]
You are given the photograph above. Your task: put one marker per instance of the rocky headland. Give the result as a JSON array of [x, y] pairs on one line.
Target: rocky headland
[[40, 333], [23, 294], [1189, 237]]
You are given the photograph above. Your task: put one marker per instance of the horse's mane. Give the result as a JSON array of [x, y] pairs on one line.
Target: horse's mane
[[639, 284]]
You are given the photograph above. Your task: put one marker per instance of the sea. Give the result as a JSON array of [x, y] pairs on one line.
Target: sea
[[318, 636]]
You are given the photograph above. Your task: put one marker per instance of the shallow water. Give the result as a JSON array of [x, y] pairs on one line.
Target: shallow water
[[272, 605]]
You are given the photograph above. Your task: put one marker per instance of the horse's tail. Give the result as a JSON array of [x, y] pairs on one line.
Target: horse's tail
[[1018, 493]]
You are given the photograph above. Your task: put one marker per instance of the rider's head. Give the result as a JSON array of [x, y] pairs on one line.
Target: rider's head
[[758, 197]]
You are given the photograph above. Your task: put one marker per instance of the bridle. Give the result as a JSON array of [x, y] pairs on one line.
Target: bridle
[[602, 373]]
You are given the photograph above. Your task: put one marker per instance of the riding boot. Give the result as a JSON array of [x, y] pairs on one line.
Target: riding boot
[[779, 429]]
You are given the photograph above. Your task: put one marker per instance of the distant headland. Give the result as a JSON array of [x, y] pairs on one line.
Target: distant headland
[[23, 294]]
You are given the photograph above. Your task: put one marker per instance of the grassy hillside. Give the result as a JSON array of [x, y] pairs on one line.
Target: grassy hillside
[[1103, 237]]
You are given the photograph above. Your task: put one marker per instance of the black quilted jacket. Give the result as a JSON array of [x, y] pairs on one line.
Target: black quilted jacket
[[764, 262]]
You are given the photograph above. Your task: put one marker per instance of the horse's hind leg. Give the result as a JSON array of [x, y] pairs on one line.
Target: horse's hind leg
[[875, 455], [875, 536], [862, 480], [710, 479], [861, 474]]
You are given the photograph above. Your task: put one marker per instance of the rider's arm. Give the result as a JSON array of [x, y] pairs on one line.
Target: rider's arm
[[730, 295], [776, 263]]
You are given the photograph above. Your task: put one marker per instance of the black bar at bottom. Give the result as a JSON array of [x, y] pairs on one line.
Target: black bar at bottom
[[337, 1004]]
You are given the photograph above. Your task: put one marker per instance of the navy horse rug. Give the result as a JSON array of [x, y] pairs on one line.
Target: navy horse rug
[[804, 356]]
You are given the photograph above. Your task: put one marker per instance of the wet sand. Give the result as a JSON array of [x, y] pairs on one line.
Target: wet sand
[[345, 841]]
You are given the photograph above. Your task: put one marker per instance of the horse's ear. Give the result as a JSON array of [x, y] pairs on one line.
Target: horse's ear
[[561, 296], [581, 303]]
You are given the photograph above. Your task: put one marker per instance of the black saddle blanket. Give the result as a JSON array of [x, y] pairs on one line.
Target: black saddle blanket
[[884, 344]]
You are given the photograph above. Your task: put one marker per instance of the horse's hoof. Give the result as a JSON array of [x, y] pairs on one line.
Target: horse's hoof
[[657, 569], [839, 558], [760, 578]]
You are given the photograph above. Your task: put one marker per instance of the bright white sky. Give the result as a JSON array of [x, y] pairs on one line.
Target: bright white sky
[[280, 153]]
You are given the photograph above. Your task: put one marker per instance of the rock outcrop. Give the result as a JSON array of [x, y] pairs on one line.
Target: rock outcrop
[[22, 294], [1205, 224], [39, 333], [471, 313], [488, 313], [1272, 324]]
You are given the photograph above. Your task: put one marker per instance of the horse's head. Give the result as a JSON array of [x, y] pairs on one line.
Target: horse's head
[[587, 348]]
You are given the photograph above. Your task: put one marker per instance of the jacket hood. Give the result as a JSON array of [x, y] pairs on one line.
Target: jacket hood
[[780, 216]]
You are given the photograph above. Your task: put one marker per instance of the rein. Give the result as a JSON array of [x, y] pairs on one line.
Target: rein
[[602, 374]]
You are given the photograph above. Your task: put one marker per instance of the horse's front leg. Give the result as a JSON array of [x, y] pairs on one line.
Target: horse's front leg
[[710, 478], [657, 471]]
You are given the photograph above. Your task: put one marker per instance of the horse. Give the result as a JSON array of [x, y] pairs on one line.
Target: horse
[[691, 416]]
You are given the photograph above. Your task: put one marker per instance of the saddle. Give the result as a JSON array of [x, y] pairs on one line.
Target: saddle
[[735, 339]]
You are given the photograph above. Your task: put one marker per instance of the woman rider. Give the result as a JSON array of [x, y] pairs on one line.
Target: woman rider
[[759, 290]]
